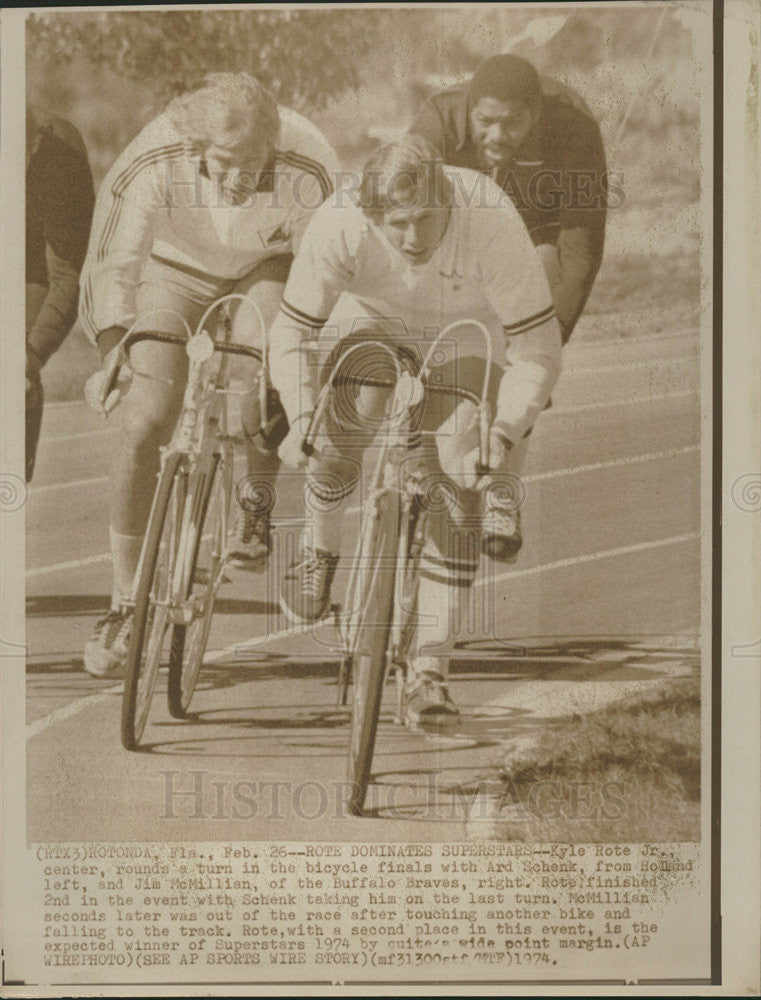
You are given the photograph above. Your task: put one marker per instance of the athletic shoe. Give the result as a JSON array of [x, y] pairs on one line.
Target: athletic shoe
[[427, 700], [106, 652], [501, 536], [305, 589], [251, 544]]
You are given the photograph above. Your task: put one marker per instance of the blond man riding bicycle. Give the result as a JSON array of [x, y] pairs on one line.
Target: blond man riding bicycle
[[422, 245], [212, 197]]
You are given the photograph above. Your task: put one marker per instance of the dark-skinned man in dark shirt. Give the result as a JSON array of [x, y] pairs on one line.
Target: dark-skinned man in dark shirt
[[537, 139]]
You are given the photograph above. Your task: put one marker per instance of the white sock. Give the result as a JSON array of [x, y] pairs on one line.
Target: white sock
[[125, 551], [427, 664]]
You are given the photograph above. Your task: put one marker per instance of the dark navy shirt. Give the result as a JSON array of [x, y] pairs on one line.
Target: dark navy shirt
[[59, 199]]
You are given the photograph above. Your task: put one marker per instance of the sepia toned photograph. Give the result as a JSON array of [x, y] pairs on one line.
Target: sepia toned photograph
[[371, 443], [556, 606]]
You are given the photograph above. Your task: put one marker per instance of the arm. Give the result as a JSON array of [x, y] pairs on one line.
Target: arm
[[320, 272], [312, 193], [58, 309], [581, 222], [67, 200], [121, 240], [517, 290], [533, 367], [579, 255]]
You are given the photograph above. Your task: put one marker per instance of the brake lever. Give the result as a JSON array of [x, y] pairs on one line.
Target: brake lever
[[483, 465]]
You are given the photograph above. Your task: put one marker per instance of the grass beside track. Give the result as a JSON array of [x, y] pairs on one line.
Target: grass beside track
[[627, 772]]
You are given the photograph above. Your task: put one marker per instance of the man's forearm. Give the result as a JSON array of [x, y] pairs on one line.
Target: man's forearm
[[533, 367], [289, 371], [579, 257]]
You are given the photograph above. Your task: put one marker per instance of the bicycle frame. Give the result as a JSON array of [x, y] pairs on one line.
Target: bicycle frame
[[376, 631], [201, 430], [394, 433]]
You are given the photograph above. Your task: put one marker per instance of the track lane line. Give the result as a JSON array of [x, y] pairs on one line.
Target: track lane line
[[78, 435], [354, 509], [69, 484], [235, 651], [71, 564], [558, 411], [256, 643], [610, 464], [67, 711]]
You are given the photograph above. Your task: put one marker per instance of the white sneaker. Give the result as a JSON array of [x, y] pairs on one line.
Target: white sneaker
[[250, 547], [501, 536], [427, 700], [106, 652]]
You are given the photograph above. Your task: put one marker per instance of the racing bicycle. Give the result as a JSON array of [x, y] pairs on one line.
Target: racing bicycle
[[379, 617], [182, 561]]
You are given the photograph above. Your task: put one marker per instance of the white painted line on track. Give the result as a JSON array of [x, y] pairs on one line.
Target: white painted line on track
[[612, 463], [624, 550], [554, 411], [654, 456], [235, 651], [71, 564], [67, 711], [256, 642], [650, 338], [69, 484], [561, 411], [629, 366], [58, 404], [673, 453], [533, 478]]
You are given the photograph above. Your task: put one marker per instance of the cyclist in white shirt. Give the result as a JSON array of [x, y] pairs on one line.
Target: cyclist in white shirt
[[212, 197], [423, 245]]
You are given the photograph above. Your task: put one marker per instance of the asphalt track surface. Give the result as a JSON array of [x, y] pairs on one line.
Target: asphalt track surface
[[604, 600]]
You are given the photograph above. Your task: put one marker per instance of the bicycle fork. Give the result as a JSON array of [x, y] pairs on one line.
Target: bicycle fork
[[404, 625]]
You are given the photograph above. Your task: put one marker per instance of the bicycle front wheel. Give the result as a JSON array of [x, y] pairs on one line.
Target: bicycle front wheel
[[153, 598], [207, 531], [369, 645]]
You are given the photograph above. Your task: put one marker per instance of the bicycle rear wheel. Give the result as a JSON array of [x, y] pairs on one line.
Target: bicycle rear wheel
[[371, 626], [155, 586], [208, 529]]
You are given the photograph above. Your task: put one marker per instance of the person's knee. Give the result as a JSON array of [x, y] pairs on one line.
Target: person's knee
[[264, 290], [329, 481], [148, 422]]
